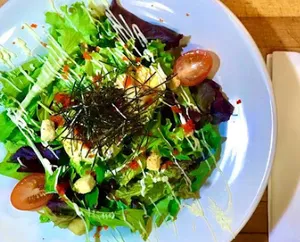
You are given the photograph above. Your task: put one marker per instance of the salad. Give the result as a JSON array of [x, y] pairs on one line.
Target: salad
[[114, 126]]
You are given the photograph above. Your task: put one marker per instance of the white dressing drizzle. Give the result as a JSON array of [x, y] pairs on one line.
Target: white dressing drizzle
[[175, 229], [19, 122], [6, 57], [229, 205], [53, 6], [118, 27], [153, 203], [220, 216], [140, 36], [20, 162], [187, 179], [142, 227], [23, 45], [45, 144], [144, 209], [125, 220], [143, 185], [187, 99], [197, 210], [129, 32], [173, 193], [80, 215], [120, 234]]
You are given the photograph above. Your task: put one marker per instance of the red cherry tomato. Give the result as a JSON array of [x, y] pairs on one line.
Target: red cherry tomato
[[193, 67], [29, 193]]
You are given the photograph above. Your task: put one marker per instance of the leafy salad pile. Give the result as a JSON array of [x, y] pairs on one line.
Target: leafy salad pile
[[103, 126]]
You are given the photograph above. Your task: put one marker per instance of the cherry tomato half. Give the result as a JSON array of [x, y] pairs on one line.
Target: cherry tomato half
[[193, 67], [29, 193]]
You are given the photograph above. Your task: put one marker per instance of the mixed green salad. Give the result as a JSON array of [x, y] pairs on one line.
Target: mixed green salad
[[112, 127]]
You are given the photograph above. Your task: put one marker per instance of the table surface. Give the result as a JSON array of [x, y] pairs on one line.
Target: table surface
[[274, 25]]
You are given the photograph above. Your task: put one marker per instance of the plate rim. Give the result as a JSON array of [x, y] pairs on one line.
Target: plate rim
[[273, 141]]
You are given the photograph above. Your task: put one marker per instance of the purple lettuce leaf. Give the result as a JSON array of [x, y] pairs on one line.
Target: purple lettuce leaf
[[213, 104], [221, 108], [30, 162], [59, 207], [151, 31]]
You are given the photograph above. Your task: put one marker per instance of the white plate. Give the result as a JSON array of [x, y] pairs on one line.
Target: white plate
[[247, 153]]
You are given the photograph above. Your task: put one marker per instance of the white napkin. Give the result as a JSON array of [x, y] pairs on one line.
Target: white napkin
[[284, 185]]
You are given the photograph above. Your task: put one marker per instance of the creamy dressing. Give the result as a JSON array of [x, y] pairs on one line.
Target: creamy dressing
[[29, 78], [142, 227], [221, 217], [144, 209], [125, 220], [129, 32], [190, 143], [53, 6], [182, 118], [16, 118], [140, 36], [187, 99], [45, 144], [229, 205], [118, 27], [175, 229], [23, 45], [20, 162], [59, 171], [187, 179], [6, 57], [80, 215], [45, 107], [155, 206], [197, 210], [194, 226], [121, 236], [143, 185], [173, 193]]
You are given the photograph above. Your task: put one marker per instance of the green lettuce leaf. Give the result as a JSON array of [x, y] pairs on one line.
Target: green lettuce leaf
[[164, 58], [91, 199], [51, 180], [14, 141], [201, 174], [79, 18], [10, 170], [61, 221], [161, 211], [131, 218], [15, 83], [6, 126]]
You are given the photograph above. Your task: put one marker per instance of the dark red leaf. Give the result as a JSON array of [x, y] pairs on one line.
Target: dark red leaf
[[151, 31], [214, 105], [30, 162]]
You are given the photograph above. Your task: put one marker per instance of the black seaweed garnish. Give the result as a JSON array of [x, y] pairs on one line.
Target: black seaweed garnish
[[102, 116]]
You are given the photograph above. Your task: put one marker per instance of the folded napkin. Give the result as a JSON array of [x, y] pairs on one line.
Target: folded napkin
[[284, 185]]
